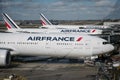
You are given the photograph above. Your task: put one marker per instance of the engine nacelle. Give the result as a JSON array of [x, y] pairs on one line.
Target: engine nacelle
[[5, 57]]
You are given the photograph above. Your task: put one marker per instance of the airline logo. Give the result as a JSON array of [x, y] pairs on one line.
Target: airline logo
[[9, 22], [44, 20], [93, 31], [78, 30], [44, 38], [43, 23], [79, 39], [7, 25]]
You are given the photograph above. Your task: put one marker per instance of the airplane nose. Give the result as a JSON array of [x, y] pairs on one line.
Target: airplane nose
[[108, 48], [104, 49], [111, 47]]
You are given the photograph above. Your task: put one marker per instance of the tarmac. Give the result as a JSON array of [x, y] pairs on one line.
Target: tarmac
[[49, 71]]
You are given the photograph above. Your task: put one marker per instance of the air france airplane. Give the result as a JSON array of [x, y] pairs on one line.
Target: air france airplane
[[44, 20], [54, 45], [46, 23], [13, 27]]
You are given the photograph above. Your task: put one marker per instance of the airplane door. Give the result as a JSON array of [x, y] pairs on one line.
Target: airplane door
[[48, 47]]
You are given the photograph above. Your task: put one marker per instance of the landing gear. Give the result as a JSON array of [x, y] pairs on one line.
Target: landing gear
[[106, 68], [108, 72]]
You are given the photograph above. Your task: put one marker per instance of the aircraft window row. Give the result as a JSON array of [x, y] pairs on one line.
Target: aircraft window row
[[10, 42], [79, 44], [2, 42], [7, 42], [69, 44], [105, 43], [19, 43], [27, 43], [64, 43]]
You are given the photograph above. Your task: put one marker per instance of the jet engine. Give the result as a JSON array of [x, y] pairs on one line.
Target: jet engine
[[5, 57]]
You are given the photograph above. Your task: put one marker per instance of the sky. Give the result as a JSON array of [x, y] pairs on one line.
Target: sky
[[61, 9]]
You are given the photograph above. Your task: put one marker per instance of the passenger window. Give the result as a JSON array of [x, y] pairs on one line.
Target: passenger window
[[105, 43]]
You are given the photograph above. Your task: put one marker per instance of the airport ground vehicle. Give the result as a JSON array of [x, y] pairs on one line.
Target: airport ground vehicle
[[108, 72]]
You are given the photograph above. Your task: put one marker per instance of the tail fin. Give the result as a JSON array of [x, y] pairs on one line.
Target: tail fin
[[10, 24], [44, 20]]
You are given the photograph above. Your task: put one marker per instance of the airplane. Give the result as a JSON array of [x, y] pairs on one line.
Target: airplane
[[44, 20], [54, 45], [46, 23], [13, 27]]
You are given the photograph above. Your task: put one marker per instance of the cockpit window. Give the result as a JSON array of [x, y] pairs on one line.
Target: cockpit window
[[105, 43]]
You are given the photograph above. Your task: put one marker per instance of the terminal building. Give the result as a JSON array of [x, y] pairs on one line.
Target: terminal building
[[111, 23]]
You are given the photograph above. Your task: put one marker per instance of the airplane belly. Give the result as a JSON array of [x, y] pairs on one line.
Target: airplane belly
[[99, 50], [77, 53], [50, 49], [44, 52], [81, 51], [42, 49]]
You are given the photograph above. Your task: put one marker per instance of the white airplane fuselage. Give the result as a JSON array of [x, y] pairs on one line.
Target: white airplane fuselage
[[56, 45], [55, 31], [76, 26], [13, 27]]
